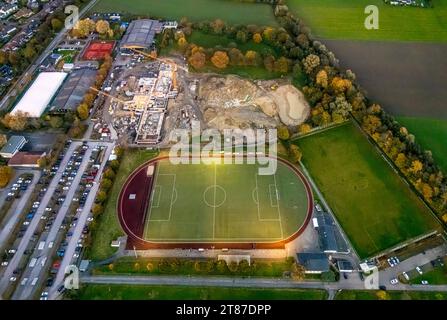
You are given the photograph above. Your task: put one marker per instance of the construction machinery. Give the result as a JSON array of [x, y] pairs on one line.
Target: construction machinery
[[153, 56], [174, 65]]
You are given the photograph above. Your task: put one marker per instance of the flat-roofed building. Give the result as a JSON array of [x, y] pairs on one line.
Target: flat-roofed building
[[73, 90], [26, 159], [141, 34], [38, 97], [14, 144]]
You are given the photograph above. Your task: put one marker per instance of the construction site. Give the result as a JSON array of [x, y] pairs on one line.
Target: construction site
[[149, 96]]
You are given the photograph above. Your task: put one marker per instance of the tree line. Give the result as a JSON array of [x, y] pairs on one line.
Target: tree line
[[222, 57]]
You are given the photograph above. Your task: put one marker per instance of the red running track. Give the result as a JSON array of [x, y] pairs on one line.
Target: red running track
[[132, 214]]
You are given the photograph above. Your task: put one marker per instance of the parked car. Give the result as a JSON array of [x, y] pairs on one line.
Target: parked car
[[406, 276], [394, 281], [419, 270]]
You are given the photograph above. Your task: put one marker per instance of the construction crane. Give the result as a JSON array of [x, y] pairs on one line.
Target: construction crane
[[154, 57], [107, 95], [113, 98]]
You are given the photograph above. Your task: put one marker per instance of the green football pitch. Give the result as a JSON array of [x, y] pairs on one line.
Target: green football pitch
[[225, 203]]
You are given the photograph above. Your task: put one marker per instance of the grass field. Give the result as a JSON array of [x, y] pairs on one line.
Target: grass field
[[375, 208], [391, 295], [435, 275], [233, 12], [203, 267], [109, 228], [224, 203], [431, 135], [344, 19], [67, 55], [143, 292]]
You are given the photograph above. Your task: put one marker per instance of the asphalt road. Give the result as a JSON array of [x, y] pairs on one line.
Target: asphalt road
[[14, 263], [82, 220], [246, 282], [32, 68]]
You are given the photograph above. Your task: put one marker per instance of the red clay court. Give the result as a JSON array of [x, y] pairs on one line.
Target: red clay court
[[97, 50]]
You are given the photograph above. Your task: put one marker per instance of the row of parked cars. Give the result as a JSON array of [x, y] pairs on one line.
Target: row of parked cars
[[20, 186], [42, 187], [71, 219]]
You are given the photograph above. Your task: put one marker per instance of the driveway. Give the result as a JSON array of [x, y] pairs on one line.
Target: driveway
[[411, 263]]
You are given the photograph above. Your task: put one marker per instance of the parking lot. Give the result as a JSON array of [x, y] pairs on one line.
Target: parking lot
[[53, 217], [404, 271]]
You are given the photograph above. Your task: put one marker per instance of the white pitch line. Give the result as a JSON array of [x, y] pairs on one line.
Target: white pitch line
[[257, 194], [172, 197], [148, 218], [279, 210], [214, 204]]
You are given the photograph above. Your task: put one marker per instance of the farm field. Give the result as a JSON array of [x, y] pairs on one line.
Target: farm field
[[108, 226], [143, 292], [431, 135], [374, 206], [233, 12], [344, 19], [227, 204], [398, 75]]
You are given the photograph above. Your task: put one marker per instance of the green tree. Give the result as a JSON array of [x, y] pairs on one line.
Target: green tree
[[14, 58], [295, 153], [82, 111], [283, 132], [282, 65], [6, 174], [56, 24], [106, 184], [3, 57], [56, 122], [97, 209], [109, 174], [115, 164], [101, 196], [241, 36]]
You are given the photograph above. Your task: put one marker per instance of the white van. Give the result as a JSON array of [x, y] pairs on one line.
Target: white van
[[41, 245], [34, 281], [32, 263]]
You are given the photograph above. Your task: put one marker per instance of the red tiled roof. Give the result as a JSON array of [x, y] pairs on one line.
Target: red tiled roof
[[25, 158]]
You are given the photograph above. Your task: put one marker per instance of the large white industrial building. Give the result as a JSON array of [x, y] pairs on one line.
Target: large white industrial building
[[39, 95]]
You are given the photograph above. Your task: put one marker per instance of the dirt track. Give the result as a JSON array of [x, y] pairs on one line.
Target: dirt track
[[407, 79]]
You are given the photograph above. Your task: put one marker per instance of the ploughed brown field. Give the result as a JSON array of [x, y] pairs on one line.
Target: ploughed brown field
[[407, 79]]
